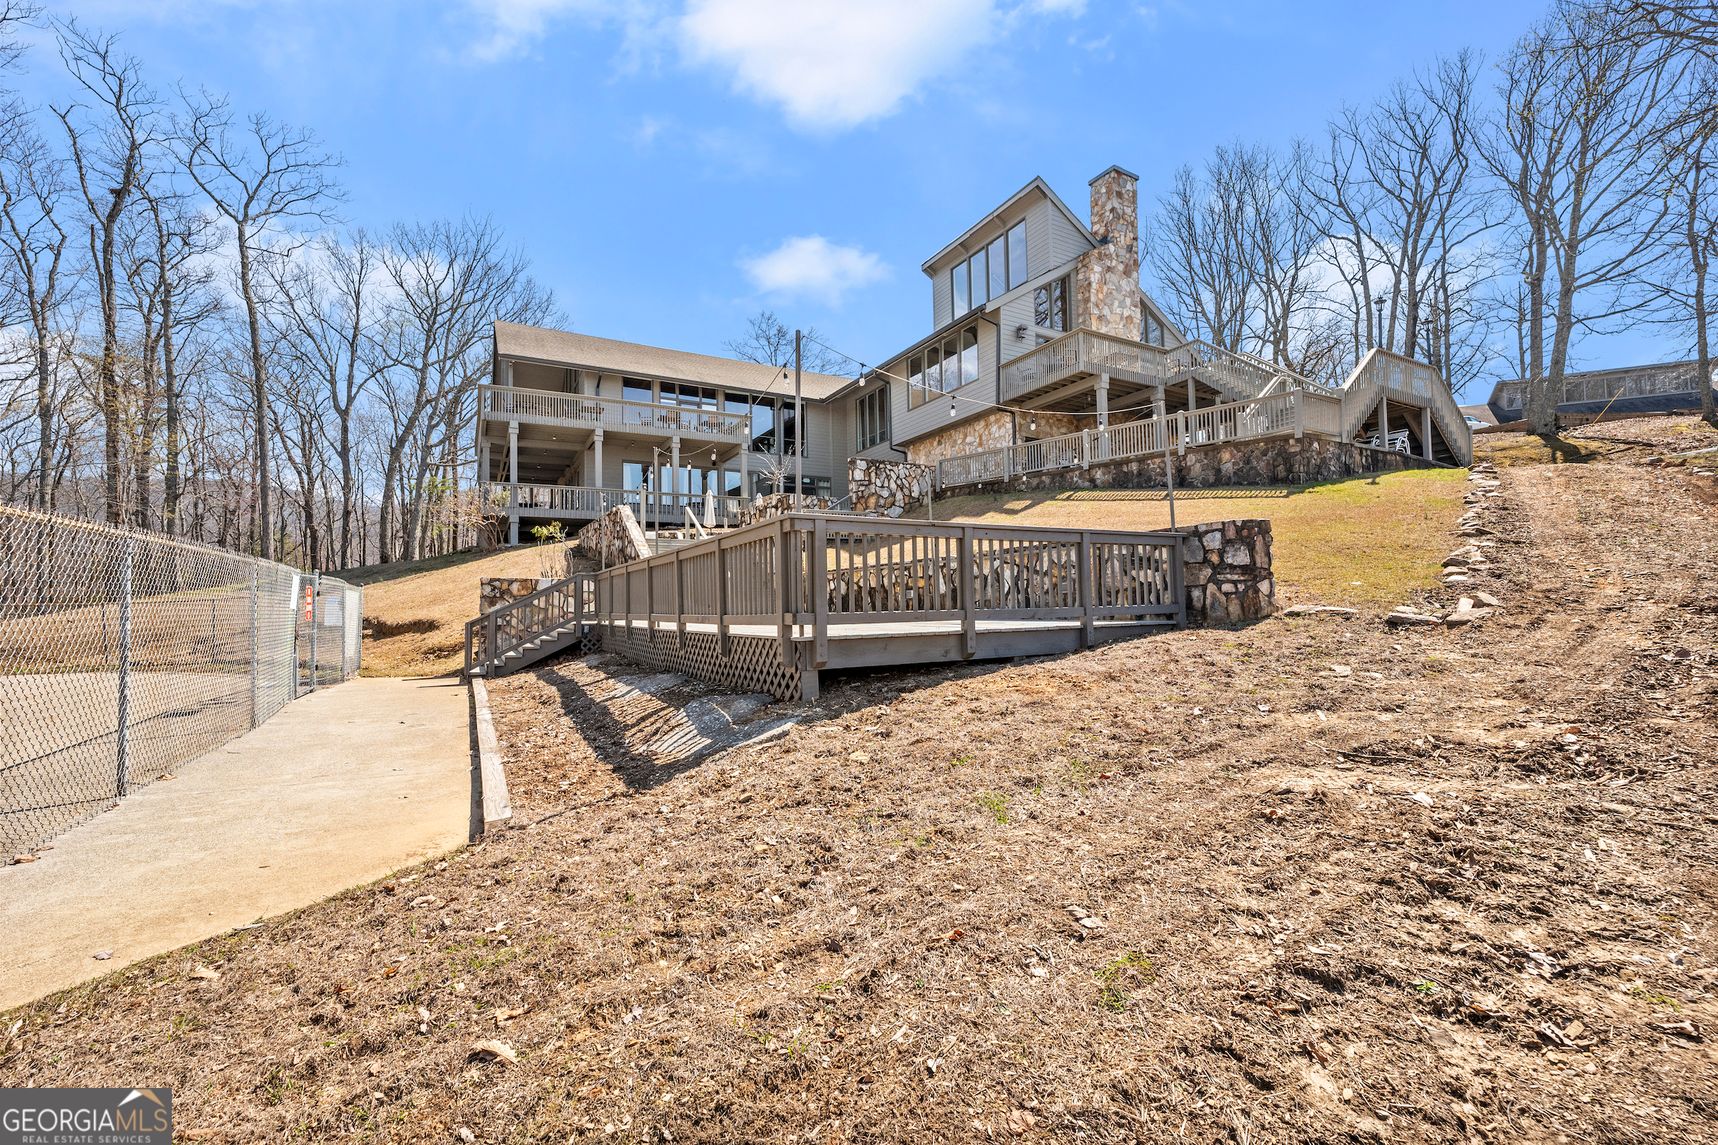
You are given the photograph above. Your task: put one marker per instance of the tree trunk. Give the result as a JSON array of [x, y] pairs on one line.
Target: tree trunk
[[259, 397]]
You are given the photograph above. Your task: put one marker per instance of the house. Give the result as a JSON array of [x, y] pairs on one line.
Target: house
[[1665, 387], [1043, 351]]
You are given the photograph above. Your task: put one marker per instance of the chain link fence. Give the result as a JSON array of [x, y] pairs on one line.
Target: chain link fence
[[124, 654]]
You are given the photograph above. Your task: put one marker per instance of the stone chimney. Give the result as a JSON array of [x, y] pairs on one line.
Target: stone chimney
[[1106, 283]]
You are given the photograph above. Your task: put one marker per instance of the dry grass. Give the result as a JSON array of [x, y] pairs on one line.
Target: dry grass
[[415, 614], [1365, 541], [1627, 439]]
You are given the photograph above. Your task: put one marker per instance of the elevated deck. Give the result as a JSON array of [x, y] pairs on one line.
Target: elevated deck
[[770, 606]]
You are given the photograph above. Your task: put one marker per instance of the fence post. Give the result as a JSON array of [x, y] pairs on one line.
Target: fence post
[[722, 644], [1299, 415], [968, 595], [1085, 449], [122, 751], [255, 667], [818, 586]]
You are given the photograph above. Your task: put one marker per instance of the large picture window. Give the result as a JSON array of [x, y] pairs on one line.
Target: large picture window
[[958, 284], [1016, 254], [943, 366]]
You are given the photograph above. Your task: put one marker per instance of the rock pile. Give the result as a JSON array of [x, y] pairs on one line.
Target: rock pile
[[1466, 563]]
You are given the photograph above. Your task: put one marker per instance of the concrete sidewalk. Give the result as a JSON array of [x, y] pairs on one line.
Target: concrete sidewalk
[[338, 789]]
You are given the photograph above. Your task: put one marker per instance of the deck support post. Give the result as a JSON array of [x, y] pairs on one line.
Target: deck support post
[[968, 595], [596, 461], [723, 644], [1087, 635], [818, 586], [673, 482], [513, 483], [1426, 432], [1383, 420]]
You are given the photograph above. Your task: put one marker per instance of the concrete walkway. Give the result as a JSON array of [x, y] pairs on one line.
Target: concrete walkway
[[338, 789]]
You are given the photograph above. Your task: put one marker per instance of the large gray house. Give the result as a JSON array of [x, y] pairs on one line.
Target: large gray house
[[1040, 340], [1664, 387]]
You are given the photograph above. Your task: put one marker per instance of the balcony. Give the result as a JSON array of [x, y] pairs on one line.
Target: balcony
[[588, 502], [582, 411], [1080, 354]]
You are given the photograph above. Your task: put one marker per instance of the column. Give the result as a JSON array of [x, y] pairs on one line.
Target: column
[[513, 480], [596, 478], [1103, 392], [1383, 420], [1426, 431], [1192, 395], [674, 479], [745, 477]]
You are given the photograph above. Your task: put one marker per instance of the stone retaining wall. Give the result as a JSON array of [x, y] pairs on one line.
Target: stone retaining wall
[[768, 506], [1273, 461], [612, 539], [495, 591], [1226, 567], [885, 488]]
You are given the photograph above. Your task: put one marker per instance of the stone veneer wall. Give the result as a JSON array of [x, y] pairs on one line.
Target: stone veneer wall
[[495, 591], [1106, 281], [1274, 461], [1226, 566], [612, 539], [766, 506], [987, 431], [887, 488]]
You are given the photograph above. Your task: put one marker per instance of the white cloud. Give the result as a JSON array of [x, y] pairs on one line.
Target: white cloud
[[813, 267], [832, 64], [513, 27]]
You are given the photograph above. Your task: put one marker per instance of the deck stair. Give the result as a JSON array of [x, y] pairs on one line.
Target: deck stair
[[555, 618]]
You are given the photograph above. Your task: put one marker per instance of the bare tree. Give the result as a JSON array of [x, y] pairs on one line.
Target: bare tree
[[263, 178], [1579, 148], [1200, 246], [32, 190], [328, 302], [1686, 304], [107, 143], [768, 340]]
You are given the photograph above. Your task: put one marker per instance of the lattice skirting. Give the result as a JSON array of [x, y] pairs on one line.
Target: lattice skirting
[[753, 663]]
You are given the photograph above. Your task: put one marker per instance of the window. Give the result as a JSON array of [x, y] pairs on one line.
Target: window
[[998, 255], [1016, 254], [1050, 305], [1150, 328], [968, 357], [980, 264], [688, 395], [632, 475], [763, 426], [871, 418], [948, 365], [962, 297], [636, 390]]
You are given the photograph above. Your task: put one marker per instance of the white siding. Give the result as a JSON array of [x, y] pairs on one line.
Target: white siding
[[1065, 240]]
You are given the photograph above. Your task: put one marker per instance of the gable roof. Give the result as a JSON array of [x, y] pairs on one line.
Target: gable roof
[[1037, 184], [582, 351]]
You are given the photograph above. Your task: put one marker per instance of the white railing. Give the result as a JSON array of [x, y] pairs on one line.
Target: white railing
[[582, 501], [1290, 412], [1083, 352], [1414, 384], [545, 407]]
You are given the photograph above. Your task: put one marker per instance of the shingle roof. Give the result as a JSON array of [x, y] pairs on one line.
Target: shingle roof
[[582, 351]]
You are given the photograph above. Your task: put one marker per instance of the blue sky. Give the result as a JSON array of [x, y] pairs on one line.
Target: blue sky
[[672, 168]]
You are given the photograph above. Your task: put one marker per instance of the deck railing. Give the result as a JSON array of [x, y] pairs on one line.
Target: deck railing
[[794, 576], [589, 502], [582, 411], [1289, 412]]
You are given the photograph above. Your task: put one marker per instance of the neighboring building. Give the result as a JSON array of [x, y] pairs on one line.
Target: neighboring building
[[1662, 388], [1038, 329]]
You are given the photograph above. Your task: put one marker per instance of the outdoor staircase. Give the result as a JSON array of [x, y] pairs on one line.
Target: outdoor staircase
[[518, 634]]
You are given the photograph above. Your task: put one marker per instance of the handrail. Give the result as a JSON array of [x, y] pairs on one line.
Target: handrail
[[507, 627], [1391, 373]]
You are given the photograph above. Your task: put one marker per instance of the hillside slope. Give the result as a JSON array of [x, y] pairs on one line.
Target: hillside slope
[[1308, 881], [415, 614]]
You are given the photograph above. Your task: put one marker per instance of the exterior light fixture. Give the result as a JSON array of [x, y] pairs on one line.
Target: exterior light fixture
[[1020, 332], [951, 409], [1032, 424]]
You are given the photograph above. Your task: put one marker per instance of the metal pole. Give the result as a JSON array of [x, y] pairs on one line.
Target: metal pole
[[122, 752], [315, 591], [254, 665], [798, 423]]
